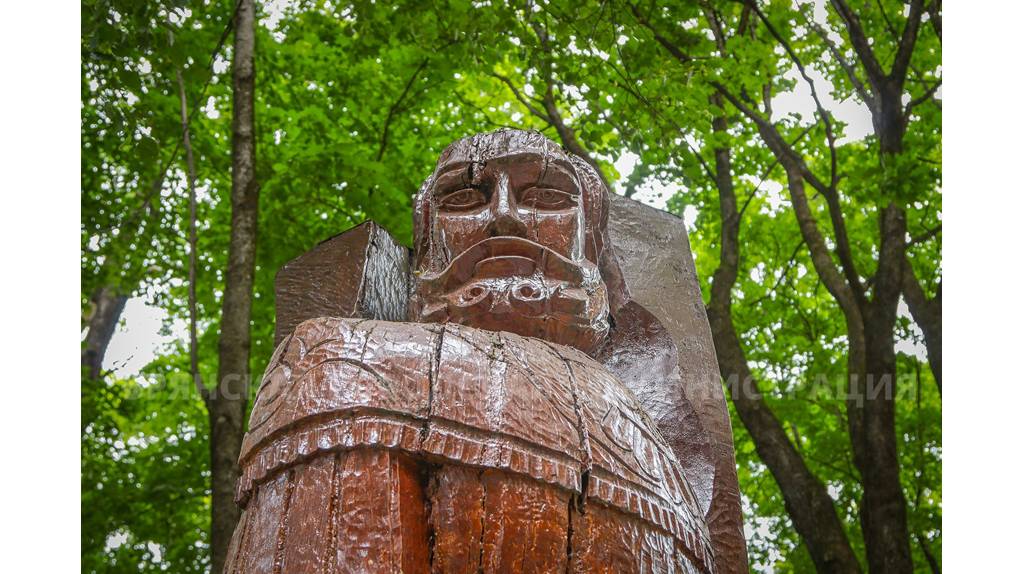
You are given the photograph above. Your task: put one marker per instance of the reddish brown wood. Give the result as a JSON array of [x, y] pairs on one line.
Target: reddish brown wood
[[311, 509], [517, 436], [363, 510], [609, 541], [521, 426], [457, 519], [493, 521], [380, 517], [511, 233], [527, 524]]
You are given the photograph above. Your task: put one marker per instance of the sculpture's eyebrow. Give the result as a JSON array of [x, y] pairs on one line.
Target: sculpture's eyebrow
[[543, 159], [453, 174], [562, 173], [452, 166], [457, 173]]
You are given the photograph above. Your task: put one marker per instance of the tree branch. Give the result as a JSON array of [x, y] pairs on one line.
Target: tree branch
[[769, 132], [478, 109], [851, 73], [892, 32], [166, 164], [907, 42], [106, 305], [669, 46], [822, 113], [935, 16], [860, 45], [806, 498], [933, 564], [928, 234], [927, 313], [785, 273], [929, 93], [522, 99], [565, 133], [888, 23], [795, 172], [626, 85], [394, 108], [193, 339]]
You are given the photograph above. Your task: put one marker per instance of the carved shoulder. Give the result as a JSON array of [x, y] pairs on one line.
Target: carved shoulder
[[329, 365]]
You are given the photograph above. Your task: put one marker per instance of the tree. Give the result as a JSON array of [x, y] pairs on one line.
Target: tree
[[106, 307], [870, 312], [227, 402]]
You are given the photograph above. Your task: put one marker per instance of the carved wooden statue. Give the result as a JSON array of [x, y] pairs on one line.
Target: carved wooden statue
[[517, 403]]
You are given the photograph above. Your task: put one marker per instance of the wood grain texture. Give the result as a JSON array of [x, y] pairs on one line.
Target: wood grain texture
[[380, 516], [453, 449], [358, 511], [526, 525], [361, 272], [310, 511], [457, 520]]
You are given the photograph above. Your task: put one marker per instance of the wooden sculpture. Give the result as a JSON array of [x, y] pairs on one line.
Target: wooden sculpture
[[505, 406]]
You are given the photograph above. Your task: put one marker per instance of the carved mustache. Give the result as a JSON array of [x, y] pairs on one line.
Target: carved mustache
[[499, 257]]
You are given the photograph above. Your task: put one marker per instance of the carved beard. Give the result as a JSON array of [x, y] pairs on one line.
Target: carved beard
[[517, 285]]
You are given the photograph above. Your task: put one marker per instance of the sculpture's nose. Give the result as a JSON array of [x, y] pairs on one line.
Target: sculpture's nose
[[504, 213]]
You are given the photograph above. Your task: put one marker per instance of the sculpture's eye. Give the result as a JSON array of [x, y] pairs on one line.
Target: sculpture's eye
[[463, 200], [546, 198]]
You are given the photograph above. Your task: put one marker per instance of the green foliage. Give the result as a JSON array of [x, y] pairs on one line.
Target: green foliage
[[144, 473], [354, 102]]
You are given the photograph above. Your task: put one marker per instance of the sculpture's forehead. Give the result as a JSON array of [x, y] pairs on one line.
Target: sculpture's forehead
[[530, 162], [500, 144]]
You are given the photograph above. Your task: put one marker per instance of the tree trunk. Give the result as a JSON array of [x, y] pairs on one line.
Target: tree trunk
[[884, 507], [871, 368], [193, 337], [107, 305], [227, 402], [806, 498]]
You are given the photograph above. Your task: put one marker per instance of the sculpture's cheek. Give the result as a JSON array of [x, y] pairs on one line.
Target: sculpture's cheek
[[458, 232], [559, 231]]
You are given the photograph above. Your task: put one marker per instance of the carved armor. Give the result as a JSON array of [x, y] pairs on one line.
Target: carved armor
[[444, 399]]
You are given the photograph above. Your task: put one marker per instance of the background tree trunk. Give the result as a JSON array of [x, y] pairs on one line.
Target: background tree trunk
[[884, 512], [107, 305], [806, 498], [227, 403]]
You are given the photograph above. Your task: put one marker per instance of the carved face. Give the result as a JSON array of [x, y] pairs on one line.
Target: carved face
[[507, 239], [524, 195]]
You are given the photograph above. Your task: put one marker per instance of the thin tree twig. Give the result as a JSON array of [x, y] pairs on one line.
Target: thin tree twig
[[860, 43], [166, 164], [193, 347], [522, 99], [825, 116], [683, 57], [929, 93], [907, 41], [394, 108], [851, 72]]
